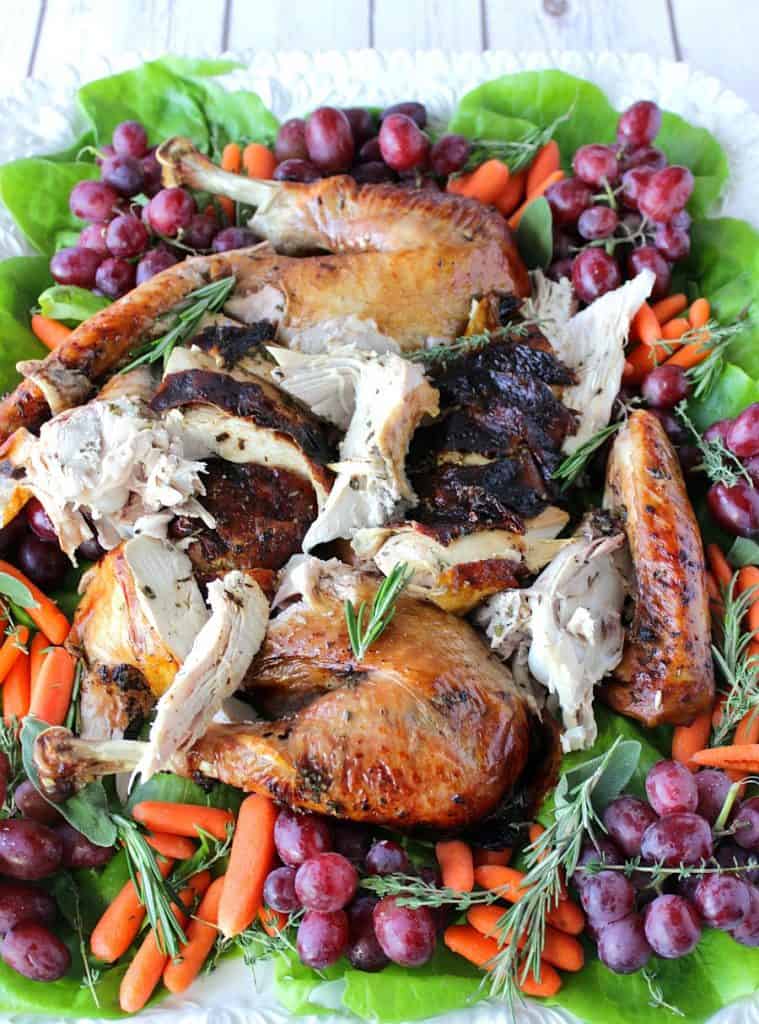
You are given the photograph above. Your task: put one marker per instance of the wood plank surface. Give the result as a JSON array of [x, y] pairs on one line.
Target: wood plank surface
[[299, 25]]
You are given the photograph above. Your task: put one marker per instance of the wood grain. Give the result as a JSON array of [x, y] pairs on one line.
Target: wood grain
[[427, 24], [727, 50], [17, 41], [298, 24]]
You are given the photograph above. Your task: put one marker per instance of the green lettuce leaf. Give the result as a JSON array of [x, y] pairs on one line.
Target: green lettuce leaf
[[730, 395], [69, 303], [21, 280], [172, 788], [35, 191]]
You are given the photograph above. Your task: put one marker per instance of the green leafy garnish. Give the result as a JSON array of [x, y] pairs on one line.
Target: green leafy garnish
[[574, 465], [443, 355], [67, 897], [11, 747], [517, 153], [16, 591], [363, 634], [535, 234], [67, 302], [716, 341], [717, 461], [737, 666]]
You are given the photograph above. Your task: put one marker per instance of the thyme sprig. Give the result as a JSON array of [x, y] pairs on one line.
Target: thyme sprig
[[208, 299], [414, 892], [737, 666], [515, 153], [365, 625], [657, 1000], [574, 465], [10, 745], [660, 873], [717, 461], [442, 355], [715, 338]]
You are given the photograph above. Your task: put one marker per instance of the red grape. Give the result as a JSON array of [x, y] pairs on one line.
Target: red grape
[[677, 839], [291, 141], [665, 386], [416, 111], [90, 550], [352, 840], [623, 946], [406, 935], [153, 262], [115, 277], [124, 173], [362, 124], [595, 164], [606, 897], [743, 435], [671, 788], [329, 140], [672, 927], [28, 850], [718, 431], [646, 257], [93, 237], [298, 837], [597, 222], [594, 273], [730, 855], [667, 192], [370, 152], [673, 427], [746, 824], [103, 153], [681, 219], [673, 243], [44, 563], [151, 173], [322, 938], [752, 468], [79, 851], [39, 521], [130, 139], [560, 268], [603, 851], [634, 182], [296, 170], [387, 858], [403, 145], [200, 232], [326, 882], [639, 124], [34, 951], [713, 786], [75, 266], [32, 804], [449, 154], [170, 210], [279, 890], [626, 819], [93, 200], [366, 954], [643, 156], [126, 236], [567, 199], [372, 173], [722, 900], [736, 508], [20, 901], [233, 238], [747, 932]]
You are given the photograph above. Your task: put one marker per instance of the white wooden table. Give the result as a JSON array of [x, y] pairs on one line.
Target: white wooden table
[[716, 37]]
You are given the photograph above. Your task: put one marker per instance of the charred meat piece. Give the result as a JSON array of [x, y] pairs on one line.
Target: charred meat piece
[[115, 701], [229, 343]]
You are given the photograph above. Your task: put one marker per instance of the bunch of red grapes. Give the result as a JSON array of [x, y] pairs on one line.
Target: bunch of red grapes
[[127, 241], [320, 875], [622, 212], [629, 918], [30, 542], [35, 843]]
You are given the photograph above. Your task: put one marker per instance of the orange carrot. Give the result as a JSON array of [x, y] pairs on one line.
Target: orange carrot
[[116, 930], [182, 819], [512, 195], [11, 650], [494, 857], [687, 739], [480, 950], [258, 161], [227, 206], [456, 865], [718, 711], [567, 917], [747, 730], [16, 690], [693, 353], [516, 217], [507, 882], [748, 577], [715, 598], [536, 830], [167, 845], [52, 691], [673, 330], [231, 158], [645, 326], [37, 654], [50, 332], [699, 313], [201, 934], [144, 972], [559, 949], [485, 183], [250, 861], [272, 921], [48, 617], [719, 565], [742, 757], [666, 309], [642, 359], [547, 161]]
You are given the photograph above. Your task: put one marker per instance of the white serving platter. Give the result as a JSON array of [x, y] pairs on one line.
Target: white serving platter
[[40, 116]]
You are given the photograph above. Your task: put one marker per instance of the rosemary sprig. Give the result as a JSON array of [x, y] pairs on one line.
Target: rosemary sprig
[[442, 355], [208, 299], [574, 465], [363, 634], [717, 461], [516, 153], [414, 892], [715, 338], [738, 668]]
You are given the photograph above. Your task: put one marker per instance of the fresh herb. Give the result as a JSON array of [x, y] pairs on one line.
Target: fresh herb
[[716, 339], [257, 944], [414, 892], [10, 745], [16, 591], [717, 461], [209, 852], [363, 634], [657, 994], [72, 720], [67, 896], [659, 873], [208, 299], [516, 153], [535, 234], [574, 465], [737, 666], [443, 355]]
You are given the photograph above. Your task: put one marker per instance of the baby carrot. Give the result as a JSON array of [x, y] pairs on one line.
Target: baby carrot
[[549, 984], [699, 313], [37, 654], [507, 882], [182, 819], [687, 739], [640, 360], [485, 183], [747, 730], [480, 950], [719, 565], [50, 332], [11, 650], [272, 921], [516, 217], [456, 865], [122, 919], [693, 353], [645, 326], [52, 690], [559, 949], [231, 158], [167, 845], [715, 598], [547, 161], [666, 309], [535, 831], [748, 577], [201, 934], [16, 690], [718, 711], [494, 857], [673, 330], [512, 195], [47, 616], [741, 757], [250, 861], [258, 161]]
